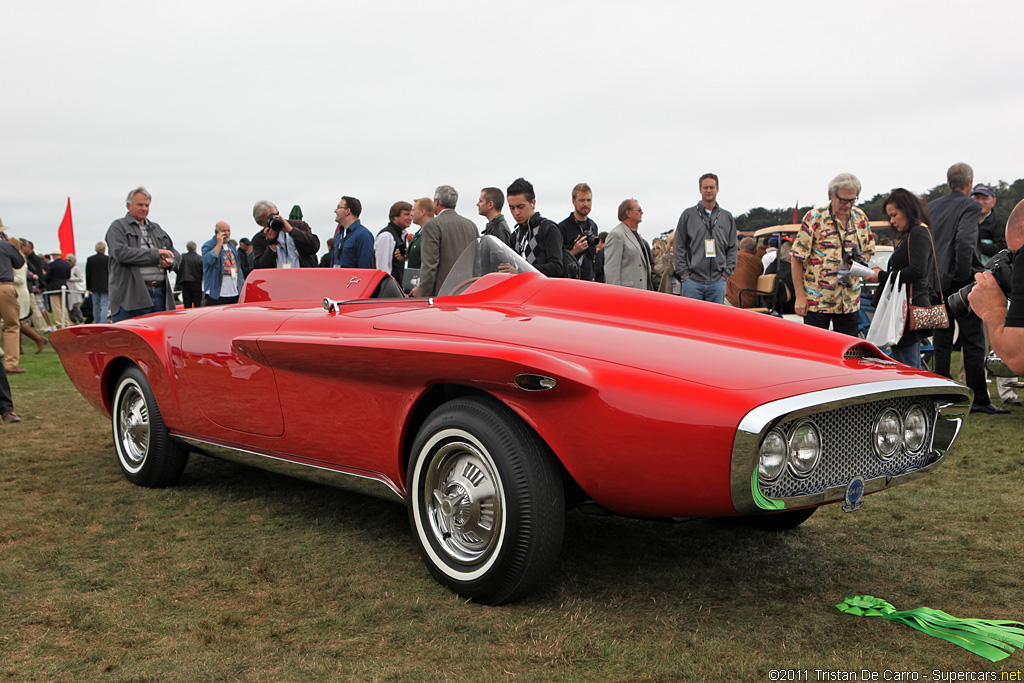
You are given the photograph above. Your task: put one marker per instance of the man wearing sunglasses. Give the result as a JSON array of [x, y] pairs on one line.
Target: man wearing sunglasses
[[831, 237]]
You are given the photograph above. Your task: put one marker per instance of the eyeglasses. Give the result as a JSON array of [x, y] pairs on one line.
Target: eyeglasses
[[846, 202], [340, 206]]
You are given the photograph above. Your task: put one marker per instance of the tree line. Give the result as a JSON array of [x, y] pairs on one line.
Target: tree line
[[1007, 196]]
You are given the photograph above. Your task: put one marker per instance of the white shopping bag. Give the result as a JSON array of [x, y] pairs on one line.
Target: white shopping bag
[[890, 315]]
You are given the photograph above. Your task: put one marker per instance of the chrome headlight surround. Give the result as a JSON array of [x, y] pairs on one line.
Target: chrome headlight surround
[[887, 434], [804, 446], [915, 428], [773, 456], [947, 404]]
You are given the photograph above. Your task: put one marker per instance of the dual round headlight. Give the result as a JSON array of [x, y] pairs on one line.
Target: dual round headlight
[[893, 429], [800, 449], [799, 446]]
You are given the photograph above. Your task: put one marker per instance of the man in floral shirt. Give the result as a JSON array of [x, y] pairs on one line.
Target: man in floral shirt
[[830, 237]]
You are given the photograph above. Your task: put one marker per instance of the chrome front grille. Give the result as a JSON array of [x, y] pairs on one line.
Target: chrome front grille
[[847, 449]]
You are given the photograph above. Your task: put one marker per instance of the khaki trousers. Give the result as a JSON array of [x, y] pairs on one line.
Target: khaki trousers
[[9, 312], [58, 315]]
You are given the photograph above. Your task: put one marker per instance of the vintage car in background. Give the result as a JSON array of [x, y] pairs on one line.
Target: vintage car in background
[[496, 406]]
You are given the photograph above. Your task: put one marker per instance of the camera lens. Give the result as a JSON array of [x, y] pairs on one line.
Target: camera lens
[[959, 307]]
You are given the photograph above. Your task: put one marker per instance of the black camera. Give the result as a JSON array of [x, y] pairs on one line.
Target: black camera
[[854, 256], [1001, 267], [276, 224], [850, 257]]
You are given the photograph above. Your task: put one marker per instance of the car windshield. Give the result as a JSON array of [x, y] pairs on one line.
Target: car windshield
[[483, 256]]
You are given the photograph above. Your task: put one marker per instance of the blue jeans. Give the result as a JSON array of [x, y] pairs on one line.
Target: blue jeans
[[846, 323], [908, 355], [704, 291], [100, 307], [156, 295]]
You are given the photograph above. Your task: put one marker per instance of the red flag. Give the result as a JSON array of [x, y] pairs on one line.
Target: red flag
[[66, 233], [796, 212]]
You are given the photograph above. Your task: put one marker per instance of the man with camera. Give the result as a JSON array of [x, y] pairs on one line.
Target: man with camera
[[579, 231], [989, 296], [991, 241], [282, 243], [831, 239]]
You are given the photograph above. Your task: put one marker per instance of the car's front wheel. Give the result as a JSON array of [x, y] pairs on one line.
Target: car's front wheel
[[486, 502], [145, 452]]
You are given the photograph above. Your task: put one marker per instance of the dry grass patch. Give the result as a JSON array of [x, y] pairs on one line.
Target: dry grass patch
[[241, 575]]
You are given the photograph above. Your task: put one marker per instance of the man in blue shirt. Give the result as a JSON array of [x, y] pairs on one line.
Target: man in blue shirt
[[222, 268], [353, 242]]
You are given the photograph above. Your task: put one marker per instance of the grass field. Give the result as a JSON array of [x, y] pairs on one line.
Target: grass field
[[241, 575]]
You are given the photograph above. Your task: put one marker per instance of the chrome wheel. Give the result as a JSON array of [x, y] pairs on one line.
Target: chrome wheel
[[464, 501], [486, 502], [134, 429], [145, 451]]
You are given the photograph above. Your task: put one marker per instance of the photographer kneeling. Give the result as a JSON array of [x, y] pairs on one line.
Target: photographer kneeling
[[988, 300]]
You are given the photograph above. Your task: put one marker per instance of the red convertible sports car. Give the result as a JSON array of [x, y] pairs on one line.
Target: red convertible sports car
[[511, 397]]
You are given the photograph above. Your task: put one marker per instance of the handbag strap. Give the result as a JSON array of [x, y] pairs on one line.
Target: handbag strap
[[935, 262]]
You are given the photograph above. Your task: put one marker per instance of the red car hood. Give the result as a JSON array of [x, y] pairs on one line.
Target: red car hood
[[694, 341]]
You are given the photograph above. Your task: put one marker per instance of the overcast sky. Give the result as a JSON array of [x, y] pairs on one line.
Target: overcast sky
[[214, 105]]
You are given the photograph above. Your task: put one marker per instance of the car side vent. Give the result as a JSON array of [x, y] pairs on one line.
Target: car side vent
[[867, 352]]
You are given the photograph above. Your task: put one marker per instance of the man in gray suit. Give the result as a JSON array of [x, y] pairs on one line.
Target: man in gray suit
[[444, 239], [627, 258]]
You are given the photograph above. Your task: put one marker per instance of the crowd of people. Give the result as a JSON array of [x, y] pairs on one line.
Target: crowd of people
[[939, 250]]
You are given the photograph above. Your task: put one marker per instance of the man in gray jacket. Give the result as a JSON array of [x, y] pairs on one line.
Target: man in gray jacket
[[705, 245], [444, 239], [141, 253], [627, 260]]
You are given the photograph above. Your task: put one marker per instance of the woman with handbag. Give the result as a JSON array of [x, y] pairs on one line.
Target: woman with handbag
[[914, 260]]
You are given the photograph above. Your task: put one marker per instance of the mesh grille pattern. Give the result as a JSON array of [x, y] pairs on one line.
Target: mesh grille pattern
[[847, 450]]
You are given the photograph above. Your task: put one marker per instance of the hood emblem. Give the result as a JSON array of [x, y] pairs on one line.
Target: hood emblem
[[354, 281]]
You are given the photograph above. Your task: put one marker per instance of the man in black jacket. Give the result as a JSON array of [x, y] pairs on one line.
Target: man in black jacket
[[288, 244], [992, 240], [955, 228], [579, 232], [389, 247], [58, 271], [190, 277], [538, 239], [489, 206], [97, 274], [992, 226]]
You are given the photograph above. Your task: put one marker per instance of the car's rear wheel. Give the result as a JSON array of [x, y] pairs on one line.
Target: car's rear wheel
[[145, 451], [780, 521], [486, 503]]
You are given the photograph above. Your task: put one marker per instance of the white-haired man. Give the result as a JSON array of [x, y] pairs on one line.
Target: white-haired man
[[627, 260], [282, 243], [830, 237], [444, 239]]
